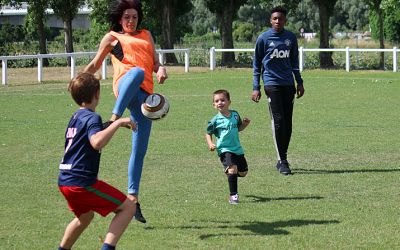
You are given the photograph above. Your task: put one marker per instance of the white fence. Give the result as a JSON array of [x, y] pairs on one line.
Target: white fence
[[347, 50], [73, 57]]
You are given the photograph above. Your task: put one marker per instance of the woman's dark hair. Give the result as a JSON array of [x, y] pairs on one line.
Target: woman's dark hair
[[279, 9], [118, 7]]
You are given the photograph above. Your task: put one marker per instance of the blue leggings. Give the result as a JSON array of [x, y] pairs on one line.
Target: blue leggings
[[131, 96]]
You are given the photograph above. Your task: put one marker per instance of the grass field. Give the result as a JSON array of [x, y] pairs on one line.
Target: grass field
[[345, 155]]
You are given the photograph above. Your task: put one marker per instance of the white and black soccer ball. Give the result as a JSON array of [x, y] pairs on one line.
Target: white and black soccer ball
[[155, 107]]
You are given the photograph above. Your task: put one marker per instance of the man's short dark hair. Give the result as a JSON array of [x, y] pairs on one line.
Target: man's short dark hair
[[279, 9]]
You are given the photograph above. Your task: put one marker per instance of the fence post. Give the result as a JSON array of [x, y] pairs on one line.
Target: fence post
[[4, 72], [347, 59], [72, 67], [161, 58], [187, 60], [212, 58], [40, 68], [301, 58], [104, 69], [394, 59]]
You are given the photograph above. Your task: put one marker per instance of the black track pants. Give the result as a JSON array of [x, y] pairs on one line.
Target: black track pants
[[280, 103]]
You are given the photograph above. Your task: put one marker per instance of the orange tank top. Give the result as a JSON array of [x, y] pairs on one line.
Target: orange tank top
[[138, 51]]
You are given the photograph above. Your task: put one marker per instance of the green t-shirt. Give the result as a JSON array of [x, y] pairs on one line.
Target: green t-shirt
[[226, 130]]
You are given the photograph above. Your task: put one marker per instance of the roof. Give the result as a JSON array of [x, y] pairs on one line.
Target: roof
[[23, 10]]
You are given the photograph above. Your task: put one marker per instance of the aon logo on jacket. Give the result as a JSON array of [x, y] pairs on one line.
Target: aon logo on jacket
[[280, 53]]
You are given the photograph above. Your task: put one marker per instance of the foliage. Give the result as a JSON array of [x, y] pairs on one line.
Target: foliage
[[177, 22], [30, 25], [11, 33], [67, 10], [226, 13], [255, 14], [392, 20], [244, 32], [202, 21], [350, 15], [99, 21]]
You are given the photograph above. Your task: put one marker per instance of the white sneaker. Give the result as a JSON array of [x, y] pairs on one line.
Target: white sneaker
[[234, 199]]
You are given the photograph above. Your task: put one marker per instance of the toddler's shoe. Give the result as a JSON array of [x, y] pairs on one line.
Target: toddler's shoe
[[234, 199]]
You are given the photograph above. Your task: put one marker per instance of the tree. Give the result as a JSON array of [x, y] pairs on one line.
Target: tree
[[325, 8], [377, 9], [392, 20], [167, 14], [67, 10], [226, 11], [350, 15], [202, 21], [37, 16], [99, 20], [255, 13]]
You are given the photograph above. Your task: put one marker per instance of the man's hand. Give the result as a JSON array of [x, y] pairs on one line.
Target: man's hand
[[256, 96], [300, 91]]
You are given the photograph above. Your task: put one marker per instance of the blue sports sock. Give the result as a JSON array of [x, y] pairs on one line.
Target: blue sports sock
[[61, 248], [107, 246]]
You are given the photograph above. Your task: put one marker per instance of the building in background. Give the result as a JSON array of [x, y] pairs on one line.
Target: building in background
[[15, 16]]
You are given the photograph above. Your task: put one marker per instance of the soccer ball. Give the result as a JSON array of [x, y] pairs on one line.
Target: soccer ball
[[155, 107]]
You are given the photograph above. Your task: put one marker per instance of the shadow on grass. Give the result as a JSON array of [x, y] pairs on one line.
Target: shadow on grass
[[257, 198], [250, 228], [343, 171], [270, 228]]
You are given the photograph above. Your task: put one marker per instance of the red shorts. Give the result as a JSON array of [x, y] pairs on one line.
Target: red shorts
[[100, 197]]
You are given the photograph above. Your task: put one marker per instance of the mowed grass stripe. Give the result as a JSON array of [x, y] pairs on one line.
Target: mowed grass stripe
[[344, 154]]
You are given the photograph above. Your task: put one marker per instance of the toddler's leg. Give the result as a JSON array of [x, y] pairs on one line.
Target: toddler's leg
[[75, 229], [232, 179]]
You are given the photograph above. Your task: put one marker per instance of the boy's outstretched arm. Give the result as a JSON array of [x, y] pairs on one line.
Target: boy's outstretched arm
[[100, 139], [245, 122], [211, 145]]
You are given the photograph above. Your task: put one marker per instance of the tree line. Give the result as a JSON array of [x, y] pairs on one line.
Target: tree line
[[232, 20]]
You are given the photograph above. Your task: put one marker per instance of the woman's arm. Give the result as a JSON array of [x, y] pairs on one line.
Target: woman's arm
[[105, 47], [161, 71]]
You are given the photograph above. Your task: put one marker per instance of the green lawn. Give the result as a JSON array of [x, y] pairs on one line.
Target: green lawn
[[345, 155]]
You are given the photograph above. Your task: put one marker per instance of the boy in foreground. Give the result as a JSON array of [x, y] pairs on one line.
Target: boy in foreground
[[79, 167], [226, 126]]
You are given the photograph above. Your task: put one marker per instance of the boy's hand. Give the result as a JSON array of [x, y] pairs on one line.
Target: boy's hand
[[246, 121], [212, 147], [127, 123]]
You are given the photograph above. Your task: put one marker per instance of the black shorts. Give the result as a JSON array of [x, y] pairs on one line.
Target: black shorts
[[229, 159]]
